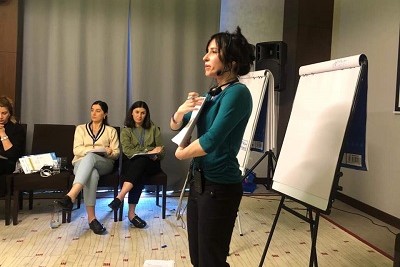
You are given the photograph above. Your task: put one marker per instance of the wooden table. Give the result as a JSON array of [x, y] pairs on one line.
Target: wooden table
[[20, 182]]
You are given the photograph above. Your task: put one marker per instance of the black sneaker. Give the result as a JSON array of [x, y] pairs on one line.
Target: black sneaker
[[97, 227], [65, 204], [115, 204], [138, 222]]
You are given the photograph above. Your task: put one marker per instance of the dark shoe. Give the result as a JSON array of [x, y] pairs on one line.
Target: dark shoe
[[97, 227], [65, 204], [115, 204], [138, 222]]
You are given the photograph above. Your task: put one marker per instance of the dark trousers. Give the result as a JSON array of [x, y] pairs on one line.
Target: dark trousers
[[211, 217], [135, 193], [133, 171]]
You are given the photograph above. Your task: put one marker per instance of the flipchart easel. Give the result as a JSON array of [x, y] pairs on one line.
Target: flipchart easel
[[308, 168]]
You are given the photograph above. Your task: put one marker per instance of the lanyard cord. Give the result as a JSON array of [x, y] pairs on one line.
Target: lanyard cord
[[139, 136]]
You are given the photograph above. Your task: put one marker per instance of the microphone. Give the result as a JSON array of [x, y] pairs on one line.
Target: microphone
[[217, 90]]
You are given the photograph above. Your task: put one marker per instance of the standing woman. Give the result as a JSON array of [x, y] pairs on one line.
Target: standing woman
[[12, 139], [140, 135], [89, 166], [216, 185]]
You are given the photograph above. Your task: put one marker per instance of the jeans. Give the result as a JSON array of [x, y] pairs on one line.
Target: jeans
[[87, 172]]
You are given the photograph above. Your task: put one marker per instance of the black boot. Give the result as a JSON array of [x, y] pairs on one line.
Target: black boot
[[97, 227], [115, 204], [65, 204], [138, 222]]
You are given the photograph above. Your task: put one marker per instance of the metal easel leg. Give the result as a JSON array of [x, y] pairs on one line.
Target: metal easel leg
[[239, 224]]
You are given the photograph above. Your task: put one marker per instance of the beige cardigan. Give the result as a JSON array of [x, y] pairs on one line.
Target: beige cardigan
[[83, 141]]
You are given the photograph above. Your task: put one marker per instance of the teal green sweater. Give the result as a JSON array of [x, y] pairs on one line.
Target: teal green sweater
[[220, 128]]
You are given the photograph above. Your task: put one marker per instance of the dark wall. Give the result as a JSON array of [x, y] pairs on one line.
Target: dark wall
[[307, 31], [11, 50]]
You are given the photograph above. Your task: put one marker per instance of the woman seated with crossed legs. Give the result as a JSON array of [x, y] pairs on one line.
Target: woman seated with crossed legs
[[140, 135], [88, 165]]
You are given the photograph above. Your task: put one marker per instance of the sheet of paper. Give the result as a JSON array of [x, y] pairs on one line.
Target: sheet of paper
[[149, 154], [34, 163], [99, 151], [184, 135], [159, 263]]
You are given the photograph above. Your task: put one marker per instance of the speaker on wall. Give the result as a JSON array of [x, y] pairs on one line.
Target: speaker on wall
[[272, 56]]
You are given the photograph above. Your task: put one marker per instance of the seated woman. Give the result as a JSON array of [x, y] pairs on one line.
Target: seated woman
[[140, 135], [12, 139], [96, 147]]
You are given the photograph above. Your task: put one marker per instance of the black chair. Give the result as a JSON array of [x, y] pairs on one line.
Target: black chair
[[112, 180], [159, 179], [46, 138]]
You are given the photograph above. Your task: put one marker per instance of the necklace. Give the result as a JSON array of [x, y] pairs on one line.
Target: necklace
[[217, 90]]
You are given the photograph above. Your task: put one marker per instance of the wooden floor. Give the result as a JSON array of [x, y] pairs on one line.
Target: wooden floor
[[33, 243]]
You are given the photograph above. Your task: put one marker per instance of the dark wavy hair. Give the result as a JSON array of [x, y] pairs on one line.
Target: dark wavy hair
[[233, 47], [7, 103], [130, 122], [104, 107]]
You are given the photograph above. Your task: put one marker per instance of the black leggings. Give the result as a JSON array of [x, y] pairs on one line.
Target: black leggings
[[133, 171], [210, 219]]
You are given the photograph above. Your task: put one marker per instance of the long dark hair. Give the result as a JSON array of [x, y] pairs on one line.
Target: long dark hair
[[104, 107], [130, 122], [233, 47]]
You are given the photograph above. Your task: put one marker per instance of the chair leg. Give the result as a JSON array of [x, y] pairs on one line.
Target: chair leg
[[164, 200], [78, 200], [157, 195], [66, 215], [7, 208], [15, 207], [8, 201], [121, 211], [21, 200], [30, 200], [115, 211], [63, 216]]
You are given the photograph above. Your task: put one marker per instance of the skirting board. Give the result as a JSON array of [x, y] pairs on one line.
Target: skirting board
[[384, 217]]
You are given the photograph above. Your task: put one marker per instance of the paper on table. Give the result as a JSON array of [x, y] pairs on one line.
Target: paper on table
[[184, 135], [34, 163]]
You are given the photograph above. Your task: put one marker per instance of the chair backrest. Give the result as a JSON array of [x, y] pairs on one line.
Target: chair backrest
[[112, 179], [56, 138], [25, 126], [117, 163]]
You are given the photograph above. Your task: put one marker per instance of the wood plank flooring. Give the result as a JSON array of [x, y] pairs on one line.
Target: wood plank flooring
[[33, 243]]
